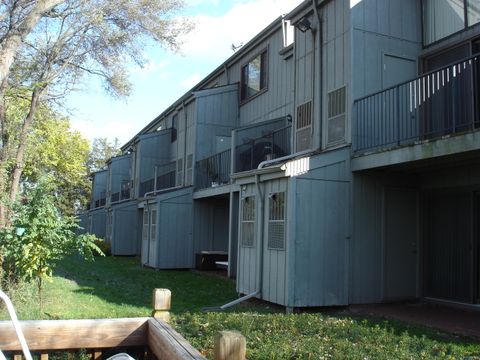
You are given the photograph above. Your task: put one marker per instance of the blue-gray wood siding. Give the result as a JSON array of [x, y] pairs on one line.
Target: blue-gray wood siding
[[99, 186], [124, 229], [174, 230], [119, 170], [319, 229], [98, 222]]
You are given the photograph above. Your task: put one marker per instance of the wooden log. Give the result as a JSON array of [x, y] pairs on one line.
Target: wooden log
[[75, 334], [161, 303], [230, 345], [166, 343]]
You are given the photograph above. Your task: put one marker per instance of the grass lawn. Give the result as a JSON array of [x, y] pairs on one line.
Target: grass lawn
[[120, 287]]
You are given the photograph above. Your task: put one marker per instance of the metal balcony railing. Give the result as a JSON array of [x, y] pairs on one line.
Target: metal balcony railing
[[433, 105], [214, 170], [146, 186], [165, 176], [273, 144]]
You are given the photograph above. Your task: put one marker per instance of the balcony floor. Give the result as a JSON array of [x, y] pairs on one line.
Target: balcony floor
[[449, 145]]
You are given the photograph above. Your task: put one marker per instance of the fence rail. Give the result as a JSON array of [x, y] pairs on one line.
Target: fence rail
[[433, 105], [272, 145], [214, 170]]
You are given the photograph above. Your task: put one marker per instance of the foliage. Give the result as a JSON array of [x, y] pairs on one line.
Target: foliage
[[40, 236], [83, 290], [102, 150]]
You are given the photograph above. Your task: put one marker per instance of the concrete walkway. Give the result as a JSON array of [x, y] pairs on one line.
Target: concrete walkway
[[449, 319]]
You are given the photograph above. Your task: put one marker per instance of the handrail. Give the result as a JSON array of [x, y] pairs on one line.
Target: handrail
[[418, 77], [16, 325]]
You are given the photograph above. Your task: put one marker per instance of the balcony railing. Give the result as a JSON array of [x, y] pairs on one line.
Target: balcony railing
[[214, 170], [165, 176], [121, 195], [273, 144], [100, 202], [146, 186], [436, 104]]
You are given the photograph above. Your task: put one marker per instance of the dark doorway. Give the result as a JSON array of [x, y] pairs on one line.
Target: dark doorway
[[451, 243]]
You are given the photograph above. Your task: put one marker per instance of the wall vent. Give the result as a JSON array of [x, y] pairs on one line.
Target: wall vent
[[336, 116], [276, 221], [303, 126]]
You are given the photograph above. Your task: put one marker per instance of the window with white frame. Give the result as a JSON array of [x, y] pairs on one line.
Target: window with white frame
[[254, 76], [248, 221]]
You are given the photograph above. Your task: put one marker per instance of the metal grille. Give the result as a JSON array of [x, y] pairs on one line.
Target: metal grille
[[276, 235], [276, 221], [304, 126], [248, 221], [336, 115], [189, 179]]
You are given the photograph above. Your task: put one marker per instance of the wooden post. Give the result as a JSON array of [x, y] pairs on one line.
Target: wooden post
[[44, 356], [230, 345], [161, 304], [97, 355], [17, 357]]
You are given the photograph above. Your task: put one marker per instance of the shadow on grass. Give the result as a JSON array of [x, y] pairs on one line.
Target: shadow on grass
[[123, 281]]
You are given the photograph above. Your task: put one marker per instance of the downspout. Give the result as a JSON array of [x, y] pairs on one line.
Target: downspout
[[185, 144], [320, 60]]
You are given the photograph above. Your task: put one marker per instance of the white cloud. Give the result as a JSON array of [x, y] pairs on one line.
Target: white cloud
[[214, 35], [191, 81]]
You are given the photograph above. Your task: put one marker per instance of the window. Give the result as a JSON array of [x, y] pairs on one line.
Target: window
[[336, 116], [248, 221], [174, 127], [276, 221], [153, 225], [442, 18], [254, 76]]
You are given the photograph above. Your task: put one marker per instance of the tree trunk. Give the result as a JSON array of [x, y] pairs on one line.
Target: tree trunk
[[22, 145]]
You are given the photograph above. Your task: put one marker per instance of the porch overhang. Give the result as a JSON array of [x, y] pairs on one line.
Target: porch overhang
[[449, 145]]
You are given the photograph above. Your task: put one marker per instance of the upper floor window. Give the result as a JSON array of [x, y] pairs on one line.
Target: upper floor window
[[254, 76], [442, 18]]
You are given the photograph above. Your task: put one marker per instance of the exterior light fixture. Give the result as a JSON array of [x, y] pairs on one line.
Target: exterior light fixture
[[303, 24]]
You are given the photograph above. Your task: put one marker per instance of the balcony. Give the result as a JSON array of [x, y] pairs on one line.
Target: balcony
[[272, 144], [165, 176], [214, 170], [123, 194], [436, 105], [101, 201]]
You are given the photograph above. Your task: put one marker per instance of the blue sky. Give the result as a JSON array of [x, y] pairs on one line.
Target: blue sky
[[167, 76]]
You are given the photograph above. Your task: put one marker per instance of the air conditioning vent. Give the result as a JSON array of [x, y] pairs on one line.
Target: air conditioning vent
[[276, 221], [303, 127], [336, 116]]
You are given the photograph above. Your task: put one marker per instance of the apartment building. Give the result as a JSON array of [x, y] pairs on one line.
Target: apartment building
[[335, 163]]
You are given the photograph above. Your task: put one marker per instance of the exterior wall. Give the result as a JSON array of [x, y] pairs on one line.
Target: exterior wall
[[173, 247], [99, 186], [84, 223], [318, 232], [367, 251], [119, 171], [98, 221], [277, 101], [216, 116], [384, 32], [124, 229], [152, 150], [211, 224]]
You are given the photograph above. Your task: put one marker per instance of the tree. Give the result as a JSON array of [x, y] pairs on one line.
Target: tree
[[78, 37], [102, 150], [40, 236]]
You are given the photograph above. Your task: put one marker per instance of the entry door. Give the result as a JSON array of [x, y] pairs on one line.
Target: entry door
[[401, 244], [449, 255]]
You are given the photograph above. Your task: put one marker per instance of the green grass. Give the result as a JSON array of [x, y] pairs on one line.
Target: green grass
[[120, 287]]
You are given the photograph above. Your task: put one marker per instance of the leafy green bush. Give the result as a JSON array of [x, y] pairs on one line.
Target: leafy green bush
[[38, 236]]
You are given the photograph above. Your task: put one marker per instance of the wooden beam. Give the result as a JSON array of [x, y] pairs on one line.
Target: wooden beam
[[75, 334], [166, 343]]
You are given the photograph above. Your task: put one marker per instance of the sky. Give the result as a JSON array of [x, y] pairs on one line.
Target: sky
[[167, 76]]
